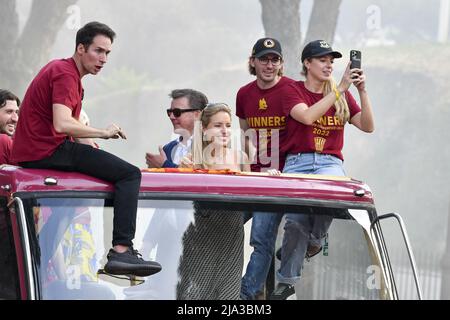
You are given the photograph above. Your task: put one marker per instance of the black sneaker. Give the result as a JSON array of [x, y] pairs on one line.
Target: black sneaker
[[130, 262], [282, 291]]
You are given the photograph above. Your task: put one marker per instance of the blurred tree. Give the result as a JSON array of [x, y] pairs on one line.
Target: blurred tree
[[23, 53], [323, 20], [281, 20]]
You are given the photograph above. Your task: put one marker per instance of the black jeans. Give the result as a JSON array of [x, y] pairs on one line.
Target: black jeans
[[72, 156]]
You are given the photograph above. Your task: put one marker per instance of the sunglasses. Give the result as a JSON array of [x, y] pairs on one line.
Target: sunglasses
[[177, 112]]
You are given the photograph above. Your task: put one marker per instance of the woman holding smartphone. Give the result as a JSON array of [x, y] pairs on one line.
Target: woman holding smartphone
[[317, 110]]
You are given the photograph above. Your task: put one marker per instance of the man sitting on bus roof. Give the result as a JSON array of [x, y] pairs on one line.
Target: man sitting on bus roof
[[46, 139]]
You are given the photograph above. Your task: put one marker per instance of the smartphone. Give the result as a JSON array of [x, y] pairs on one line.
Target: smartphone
[[355, 58]]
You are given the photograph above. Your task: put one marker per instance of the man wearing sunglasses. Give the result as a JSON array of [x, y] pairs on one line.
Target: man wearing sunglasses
[[261, 118], [185, 108]]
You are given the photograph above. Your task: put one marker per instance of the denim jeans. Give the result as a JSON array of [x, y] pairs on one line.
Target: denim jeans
[[77, 157], [262, 238], [300, 230]]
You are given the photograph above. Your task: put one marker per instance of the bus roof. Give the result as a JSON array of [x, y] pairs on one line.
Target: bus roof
[[18, 180]]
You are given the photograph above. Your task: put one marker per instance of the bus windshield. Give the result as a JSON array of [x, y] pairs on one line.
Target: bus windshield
[[201, 245]]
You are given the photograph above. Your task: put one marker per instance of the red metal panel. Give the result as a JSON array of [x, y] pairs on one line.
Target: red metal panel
[[322, 188], [19, 256]]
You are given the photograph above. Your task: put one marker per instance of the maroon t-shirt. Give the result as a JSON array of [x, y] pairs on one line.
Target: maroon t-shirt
[[326, 135], [5, 148], [262, 109], [35, 137]]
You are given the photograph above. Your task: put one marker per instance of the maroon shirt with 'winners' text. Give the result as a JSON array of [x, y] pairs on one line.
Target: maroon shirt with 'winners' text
[[326, 135], [263, 112]]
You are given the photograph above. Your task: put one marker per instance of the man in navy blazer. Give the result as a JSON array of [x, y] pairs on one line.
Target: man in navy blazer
[[185, 109]]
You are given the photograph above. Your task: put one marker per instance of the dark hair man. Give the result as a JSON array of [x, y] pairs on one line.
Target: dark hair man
[[9, 114], [259, 108], [48, 124]]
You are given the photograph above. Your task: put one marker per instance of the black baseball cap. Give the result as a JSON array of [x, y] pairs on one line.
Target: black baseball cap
[[267, 45], [318, 48]]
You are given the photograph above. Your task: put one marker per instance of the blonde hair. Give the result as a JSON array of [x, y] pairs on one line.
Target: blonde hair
[[341, 105], [198, 142]]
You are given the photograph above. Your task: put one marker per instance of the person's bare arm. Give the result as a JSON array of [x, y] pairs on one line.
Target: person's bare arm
[[249, 147], [308, 115], [63, 122], [245, 163], [364, 119]]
